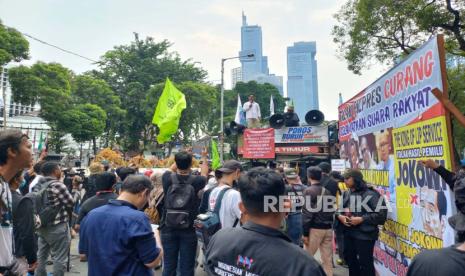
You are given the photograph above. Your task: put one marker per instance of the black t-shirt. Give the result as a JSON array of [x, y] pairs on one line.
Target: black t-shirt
[[255, 249], [198, 184], [94, 202], [296, 191], [442, 262], [90, 187]]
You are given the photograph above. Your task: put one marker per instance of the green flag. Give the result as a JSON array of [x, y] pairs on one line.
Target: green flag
[[41, 142], [216, 163], [168, 112]]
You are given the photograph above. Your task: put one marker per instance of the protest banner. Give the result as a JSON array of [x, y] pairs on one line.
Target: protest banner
[[338, 165], [296, 150], [385, 131], [302, 134], [259, 143]]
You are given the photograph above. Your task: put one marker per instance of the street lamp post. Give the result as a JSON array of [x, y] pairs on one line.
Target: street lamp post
[[222, 102]]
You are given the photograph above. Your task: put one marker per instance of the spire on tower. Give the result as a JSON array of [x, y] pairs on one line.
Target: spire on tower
[[244, 19]]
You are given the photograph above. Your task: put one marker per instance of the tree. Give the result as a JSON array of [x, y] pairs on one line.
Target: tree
[[49, 84], [456, 77], [57, 142], [385, 30], [88, 89], [131, 69], [84, 122], [13, 45], [262, 93], [201, 102]]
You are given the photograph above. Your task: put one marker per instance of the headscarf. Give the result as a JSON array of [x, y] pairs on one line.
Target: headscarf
[[157, 191]]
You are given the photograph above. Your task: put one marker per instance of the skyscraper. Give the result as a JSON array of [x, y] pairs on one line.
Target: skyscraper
[[302, 81], [251, 43], [236, 76], [255, 68]]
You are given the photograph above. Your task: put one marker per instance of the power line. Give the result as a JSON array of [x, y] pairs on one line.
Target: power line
[[59, 48]]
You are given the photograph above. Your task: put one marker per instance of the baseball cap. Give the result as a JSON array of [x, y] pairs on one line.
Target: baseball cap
[[325, 167], [290, 173], [230, 166], [355, 174]]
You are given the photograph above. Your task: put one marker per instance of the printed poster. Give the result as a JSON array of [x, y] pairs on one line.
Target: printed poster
[[385, 131]]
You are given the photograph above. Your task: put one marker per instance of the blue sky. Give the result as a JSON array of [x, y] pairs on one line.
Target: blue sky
[[204, 30]]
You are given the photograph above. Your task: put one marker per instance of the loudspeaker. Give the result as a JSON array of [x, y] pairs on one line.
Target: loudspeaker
[[314, 117], [236, 128], [276, 121]]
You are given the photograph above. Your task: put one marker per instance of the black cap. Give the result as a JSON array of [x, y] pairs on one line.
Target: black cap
[[325, 167], [355, 174], [230, 166]]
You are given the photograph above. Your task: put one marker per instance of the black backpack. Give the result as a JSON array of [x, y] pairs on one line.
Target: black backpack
[[206, 225], [180, 202], [44, 211]]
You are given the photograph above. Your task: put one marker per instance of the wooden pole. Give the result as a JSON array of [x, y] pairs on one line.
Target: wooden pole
[[449, 106], [445, 96]]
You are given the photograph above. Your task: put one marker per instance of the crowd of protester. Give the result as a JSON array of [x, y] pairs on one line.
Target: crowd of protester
[[132, 223]]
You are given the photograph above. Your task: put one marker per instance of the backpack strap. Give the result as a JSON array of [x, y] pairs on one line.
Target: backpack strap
[[217, 208]]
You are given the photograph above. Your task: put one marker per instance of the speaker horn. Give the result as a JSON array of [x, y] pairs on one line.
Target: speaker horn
[[236, 128], [314, 117], [277, 121]]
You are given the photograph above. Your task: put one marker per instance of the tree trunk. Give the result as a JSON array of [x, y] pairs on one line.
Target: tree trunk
[[94, 145], [170, 148], [80, 153]]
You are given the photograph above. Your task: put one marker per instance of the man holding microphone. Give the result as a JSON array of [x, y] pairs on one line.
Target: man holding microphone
[[252, 113]]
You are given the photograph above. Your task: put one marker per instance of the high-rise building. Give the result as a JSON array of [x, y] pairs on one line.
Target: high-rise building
[[251, 43], [236, 76], [302, 77], [256, 67], [276, 81]]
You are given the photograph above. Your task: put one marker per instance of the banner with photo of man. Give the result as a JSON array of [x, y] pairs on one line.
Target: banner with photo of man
[[385, 131]]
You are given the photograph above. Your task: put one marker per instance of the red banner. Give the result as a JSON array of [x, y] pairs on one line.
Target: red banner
[[296, 150], [259, 143]]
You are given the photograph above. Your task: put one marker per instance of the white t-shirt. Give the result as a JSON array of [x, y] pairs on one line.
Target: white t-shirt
[[34, 182], [252, 110], [6, 232], [229, 211]]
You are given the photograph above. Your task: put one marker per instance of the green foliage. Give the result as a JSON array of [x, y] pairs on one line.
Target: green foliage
[[130, 70], [385, 30], [57, 142], [88, 89], [84, 122], [262, 93], [13, 45], [456, 79], [49, 84]]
